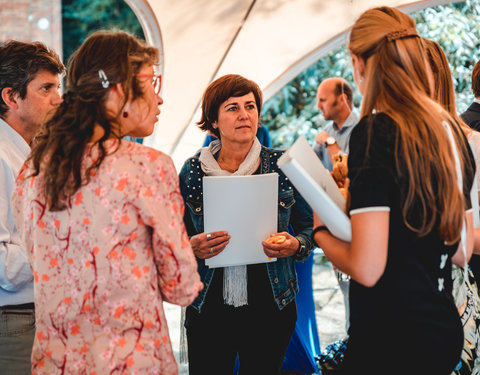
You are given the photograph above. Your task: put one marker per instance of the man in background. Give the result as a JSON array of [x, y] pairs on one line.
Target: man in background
[[335, 100], [29, 87], [472, 115]]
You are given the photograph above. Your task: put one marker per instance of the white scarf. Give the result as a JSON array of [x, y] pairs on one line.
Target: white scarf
[[234, 277]]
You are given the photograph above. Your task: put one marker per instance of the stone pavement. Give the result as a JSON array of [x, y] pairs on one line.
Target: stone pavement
[[329, 309]]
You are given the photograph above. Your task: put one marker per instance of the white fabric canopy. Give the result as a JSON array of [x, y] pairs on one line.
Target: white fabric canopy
[[268, 41]]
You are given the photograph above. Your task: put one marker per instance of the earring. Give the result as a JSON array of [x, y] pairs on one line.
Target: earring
[[361, 79], [125, 113]]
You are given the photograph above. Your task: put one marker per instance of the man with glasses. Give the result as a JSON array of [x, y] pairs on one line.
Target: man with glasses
[[29, 87]]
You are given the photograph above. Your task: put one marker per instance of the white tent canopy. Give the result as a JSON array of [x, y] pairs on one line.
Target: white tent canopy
[[268, 41]]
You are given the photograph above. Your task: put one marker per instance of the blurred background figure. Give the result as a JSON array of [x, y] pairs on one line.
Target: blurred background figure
[[465, 290], [472, 115], [29, 85], [335, 100], [102, 221]]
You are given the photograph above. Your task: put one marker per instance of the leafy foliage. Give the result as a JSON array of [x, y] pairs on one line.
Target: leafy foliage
[[293, 112], [80, 18], [456, 29]]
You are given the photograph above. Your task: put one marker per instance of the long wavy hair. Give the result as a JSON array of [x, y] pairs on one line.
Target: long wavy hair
[[59, 149], [396, 83], [443, 91]]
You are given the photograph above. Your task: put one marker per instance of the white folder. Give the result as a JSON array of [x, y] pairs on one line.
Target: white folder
[[315, 183], [247, 208]]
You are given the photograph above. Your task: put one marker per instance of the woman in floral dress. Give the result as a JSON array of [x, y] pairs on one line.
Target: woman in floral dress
[[102, 220]]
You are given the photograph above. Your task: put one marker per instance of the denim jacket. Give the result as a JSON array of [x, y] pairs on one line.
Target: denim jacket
[[292, 209]]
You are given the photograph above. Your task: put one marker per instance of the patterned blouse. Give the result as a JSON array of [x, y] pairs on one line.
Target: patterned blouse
[[104, 265]]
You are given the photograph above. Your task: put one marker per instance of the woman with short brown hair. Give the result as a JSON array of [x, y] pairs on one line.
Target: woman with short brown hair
[[249, 310]]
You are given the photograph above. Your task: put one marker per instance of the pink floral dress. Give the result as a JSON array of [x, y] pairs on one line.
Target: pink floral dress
[[104, 265]]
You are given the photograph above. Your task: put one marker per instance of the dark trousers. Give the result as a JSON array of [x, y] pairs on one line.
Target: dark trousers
[[404, 350], [259, 332]]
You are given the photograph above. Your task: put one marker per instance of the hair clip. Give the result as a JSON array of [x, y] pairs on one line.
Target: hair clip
[[400, 34], [103, 78]]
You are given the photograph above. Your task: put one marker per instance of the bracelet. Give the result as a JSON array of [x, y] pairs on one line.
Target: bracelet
[[301, 248], [316, 230]]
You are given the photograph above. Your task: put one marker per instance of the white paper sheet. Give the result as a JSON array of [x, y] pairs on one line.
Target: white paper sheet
[[314, 182], [247, 208]]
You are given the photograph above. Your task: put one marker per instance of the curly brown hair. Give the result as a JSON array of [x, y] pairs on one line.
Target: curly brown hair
[[58, 150]]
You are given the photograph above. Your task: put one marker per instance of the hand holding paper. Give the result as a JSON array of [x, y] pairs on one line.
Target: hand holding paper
[[207, 245], [246, 207]]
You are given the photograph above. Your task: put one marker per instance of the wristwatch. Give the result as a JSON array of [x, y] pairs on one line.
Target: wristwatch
[[330, 141]]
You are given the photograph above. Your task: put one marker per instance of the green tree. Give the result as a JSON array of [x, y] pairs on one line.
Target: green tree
[[292, 111], [456, 29], [80, 18]]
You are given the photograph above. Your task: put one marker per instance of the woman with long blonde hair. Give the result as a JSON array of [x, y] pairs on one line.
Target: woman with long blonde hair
[[408, 209], [465, 291]]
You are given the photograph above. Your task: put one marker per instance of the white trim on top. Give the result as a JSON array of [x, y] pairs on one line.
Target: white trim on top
[[369, 209]]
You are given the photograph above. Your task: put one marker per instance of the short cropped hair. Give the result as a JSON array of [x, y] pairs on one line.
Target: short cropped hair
[[476, 79], [343, 87], [19, 64], [219, 91]]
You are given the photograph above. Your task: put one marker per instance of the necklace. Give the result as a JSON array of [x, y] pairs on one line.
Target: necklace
[[230, 169], [225, 167]]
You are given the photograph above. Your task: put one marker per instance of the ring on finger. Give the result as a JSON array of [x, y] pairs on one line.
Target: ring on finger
[[211, 250], [209, 235]]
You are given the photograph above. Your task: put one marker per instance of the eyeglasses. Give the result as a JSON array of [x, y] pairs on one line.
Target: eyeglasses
[[156, 81]]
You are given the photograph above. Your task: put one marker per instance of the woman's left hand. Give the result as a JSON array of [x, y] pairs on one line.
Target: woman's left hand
[[286, 249]]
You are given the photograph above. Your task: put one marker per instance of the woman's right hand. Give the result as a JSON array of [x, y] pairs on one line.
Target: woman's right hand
[[207, 245]]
